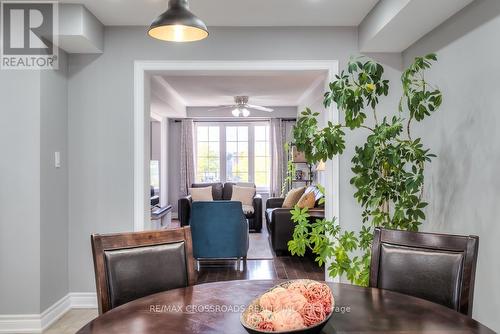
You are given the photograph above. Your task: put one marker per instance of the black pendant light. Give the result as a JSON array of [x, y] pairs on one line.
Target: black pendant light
[[178, 24]]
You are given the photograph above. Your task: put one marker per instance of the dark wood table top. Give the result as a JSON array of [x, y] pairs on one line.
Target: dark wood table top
[[216, 307]]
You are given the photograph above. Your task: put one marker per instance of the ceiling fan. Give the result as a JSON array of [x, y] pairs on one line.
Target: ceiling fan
[[241, 106]]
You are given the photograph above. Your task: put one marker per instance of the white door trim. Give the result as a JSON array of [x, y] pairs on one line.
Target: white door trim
[[142, 72]]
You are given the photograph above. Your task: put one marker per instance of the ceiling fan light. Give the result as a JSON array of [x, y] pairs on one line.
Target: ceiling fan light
[[245, 112], [178, 24], [235, 112]]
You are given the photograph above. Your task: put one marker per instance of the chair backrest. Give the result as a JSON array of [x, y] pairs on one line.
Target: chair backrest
[[217, 189], [219, 229], [129, 266], [436, 267]]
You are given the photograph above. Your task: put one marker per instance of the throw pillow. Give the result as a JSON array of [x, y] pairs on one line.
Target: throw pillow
[[248, 209], [201, 194], [307, 200], [243, 194], [293, 197]]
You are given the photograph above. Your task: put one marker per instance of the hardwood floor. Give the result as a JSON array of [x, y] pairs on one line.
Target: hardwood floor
[[72, 321], [278, 268]]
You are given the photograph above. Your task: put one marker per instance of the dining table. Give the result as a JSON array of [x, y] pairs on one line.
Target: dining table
[[217, 307]]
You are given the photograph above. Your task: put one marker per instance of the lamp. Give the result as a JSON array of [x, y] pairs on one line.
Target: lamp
[[235, 112], [178, 24], [321, 166], [245, 112]]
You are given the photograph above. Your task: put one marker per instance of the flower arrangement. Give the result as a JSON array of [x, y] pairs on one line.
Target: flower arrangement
[[290, 306]]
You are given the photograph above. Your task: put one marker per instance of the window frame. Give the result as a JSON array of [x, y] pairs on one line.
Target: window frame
[[222, 147]]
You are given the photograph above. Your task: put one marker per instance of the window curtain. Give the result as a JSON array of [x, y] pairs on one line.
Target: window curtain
[[277, 139], [187, 155]]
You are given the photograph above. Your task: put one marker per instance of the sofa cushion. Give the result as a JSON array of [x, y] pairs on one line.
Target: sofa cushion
[[317, 195], [216, 189], [201, 194], [293, 197], [269, 214], [227, 191], [244, 195], [307, 200]]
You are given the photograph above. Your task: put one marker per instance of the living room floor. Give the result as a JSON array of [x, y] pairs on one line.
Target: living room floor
[[262, 263]]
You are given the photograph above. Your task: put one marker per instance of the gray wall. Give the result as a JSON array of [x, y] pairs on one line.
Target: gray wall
[[462, 184], [101, 118], [155, 135], [33, 194], [54, 281], [19, 192]]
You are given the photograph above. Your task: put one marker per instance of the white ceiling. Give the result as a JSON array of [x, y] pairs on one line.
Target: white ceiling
[[266, 88], [392, 26], [237, 12]]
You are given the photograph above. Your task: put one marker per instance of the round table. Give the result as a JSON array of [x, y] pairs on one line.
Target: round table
[[216, 307]]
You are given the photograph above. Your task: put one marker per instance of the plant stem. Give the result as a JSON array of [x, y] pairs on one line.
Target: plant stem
[[421, 189], [408, 128], [375, 116], [367, 127], [361, 126]]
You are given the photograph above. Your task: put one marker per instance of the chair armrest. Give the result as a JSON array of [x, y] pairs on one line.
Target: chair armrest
[[282, 228], [184, 209], [274, 202], [257, 208]]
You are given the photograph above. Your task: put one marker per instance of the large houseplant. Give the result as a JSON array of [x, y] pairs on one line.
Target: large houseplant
[[388, 168]]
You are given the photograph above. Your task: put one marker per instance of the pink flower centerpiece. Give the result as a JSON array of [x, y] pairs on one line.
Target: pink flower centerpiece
[[296, 306]]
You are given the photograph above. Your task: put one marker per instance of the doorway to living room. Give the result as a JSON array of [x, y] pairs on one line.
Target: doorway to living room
[[227, 148]]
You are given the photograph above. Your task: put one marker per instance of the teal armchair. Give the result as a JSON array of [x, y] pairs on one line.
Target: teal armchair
[[219, 230]]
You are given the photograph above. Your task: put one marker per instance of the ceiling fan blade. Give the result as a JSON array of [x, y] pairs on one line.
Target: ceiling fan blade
[[221, 108], [251, 106]]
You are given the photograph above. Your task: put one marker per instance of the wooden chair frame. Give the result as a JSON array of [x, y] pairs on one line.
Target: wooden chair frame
[[468, 245], [102, 243]]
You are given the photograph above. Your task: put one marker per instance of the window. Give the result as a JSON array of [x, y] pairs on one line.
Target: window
[[154, 172], [207, 154], [262, 156], [237, 153], [233, 152]]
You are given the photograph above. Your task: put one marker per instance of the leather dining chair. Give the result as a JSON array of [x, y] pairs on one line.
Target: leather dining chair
[[436, 267], [129, 266]]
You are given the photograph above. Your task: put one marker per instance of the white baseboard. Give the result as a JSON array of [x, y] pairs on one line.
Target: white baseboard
[[83, 299], [20, 323], [37, 323]]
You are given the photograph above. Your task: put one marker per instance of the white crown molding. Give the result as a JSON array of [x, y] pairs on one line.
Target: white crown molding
[[37, 323]]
